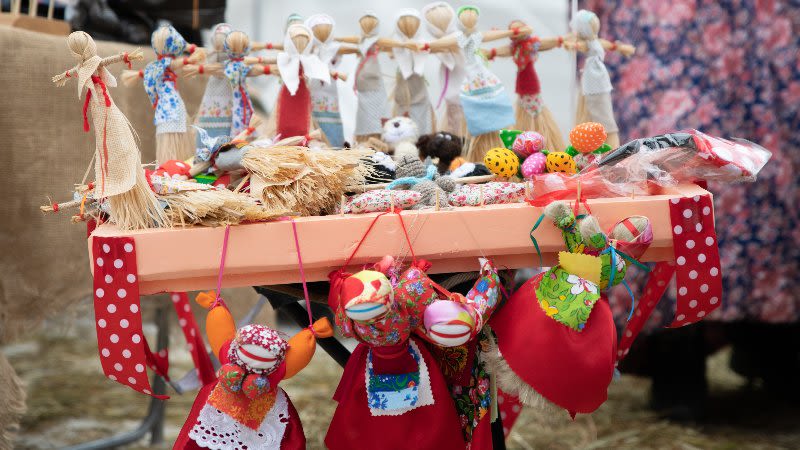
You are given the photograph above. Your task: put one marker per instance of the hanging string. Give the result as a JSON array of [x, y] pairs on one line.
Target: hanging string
[[535, 243], [218, 299], [303, 276], [369, 229]]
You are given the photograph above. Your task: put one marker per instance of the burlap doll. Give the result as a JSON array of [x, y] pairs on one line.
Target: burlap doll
[[244, 407], [556, 340], [594, 102], [325, 95], [411, 89], [369, 87], [392, 393], [486, 104], [119, 178], [173, 138], [530, 112]]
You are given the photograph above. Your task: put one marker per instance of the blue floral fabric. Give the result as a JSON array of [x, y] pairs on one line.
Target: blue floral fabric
[[727, 68], [236, 72], [393, 391], [159, 84]]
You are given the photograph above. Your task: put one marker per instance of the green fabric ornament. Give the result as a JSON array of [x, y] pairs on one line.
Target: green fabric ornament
[[567, 298], [508, 137]]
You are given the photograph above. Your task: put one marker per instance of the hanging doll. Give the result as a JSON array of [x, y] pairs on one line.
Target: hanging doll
[[411, 90], [369, 87], [392, 394], [244, 407], [296, 63], [568, 362], [531, 113], [173, 139], [594, 101], [440, 21], [119, 178], [325, 95], [487, 106]]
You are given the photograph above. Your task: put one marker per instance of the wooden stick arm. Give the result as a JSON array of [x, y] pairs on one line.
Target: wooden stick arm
[[348, 39], [493, 35], [256, 46]]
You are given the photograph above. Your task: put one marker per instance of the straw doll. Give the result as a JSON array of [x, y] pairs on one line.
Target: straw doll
[[119, 177], [440, 21], [214, 114], [325, 95], [244, 407], [486, 104], [411, 90], [369, 87], [173, 139], [530, 112], [594, 101], [392, 394]]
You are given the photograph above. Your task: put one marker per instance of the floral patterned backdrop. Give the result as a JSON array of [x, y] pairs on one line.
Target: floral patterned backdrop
[[727, 68]]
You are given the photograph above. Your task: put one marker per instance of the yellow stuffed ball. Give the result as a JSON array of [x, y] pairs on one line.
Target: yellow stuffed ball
[[502, 162], [560, 162]]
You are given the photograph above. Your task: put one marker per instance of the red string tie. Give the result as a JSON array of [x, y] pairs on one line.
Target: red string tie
[[200, 69], [515, 31], [492, 54], [269, 45], [426, 47], [127, 60], [55, 207]]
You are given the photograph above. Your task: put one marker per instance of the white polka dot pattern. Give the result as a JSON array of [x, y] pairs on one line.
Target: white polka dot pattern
[[116, 308]]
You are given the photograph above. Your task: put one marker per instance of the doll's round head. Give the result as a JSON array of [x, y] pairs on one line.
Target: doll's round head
[[516, 23], [292, 19], [321, 25], [300, 36], [258, 349], [366, 295], [408, 21], [237, 44], [81, 45], [442, 145], [218, 34], [167, 41], [586, 24], [369, 24], [468, 17], [438, 18], [449, 323]]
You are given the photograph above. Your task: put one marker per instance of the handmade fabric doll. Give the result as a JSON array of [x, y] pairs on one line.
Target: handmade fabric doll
[[411, 90], [392, 394], [569, 361], [531, 113], [119, 178], [173, 140], [369, 87], [296, 63], [441, 147], [412, 174], [400, 135], [324, 95], [487, 106], [594, 103], [245, 408], [440, 22]]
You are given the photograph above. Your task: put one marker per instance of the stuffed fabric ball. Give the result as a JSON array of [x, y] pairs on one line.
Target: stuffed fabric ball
[[528, 143], [587, 137], [255, 385], [231, 377], [502, 162], [533, 165], [560, 162]]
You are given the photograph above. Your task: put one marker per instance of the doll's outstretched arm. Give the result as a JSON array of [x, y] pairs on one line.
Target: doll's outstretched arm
[[255, 46], [348, 39], [220, 326], [493, 35], [550, 43], [193, 70], [623, 48], [495, 52], [302, 346], [250, 60], [445, 44], [347, 50], [386, 44], [264, 69]]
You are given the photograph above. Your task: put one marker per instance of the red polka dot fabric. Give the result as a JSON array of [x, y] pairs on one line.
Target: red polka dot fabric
[[509, 408], [696, 268], [194, 341], [118, 319]]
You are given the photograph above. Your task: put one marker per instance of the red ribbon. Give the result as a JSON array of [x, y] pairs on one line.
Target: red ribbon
[[98, 81]]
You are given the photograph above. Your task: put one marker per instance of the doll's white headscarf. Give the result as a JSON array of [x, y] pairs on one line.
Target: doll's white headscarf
[[594, 77], [408, 61], [325, 50], [369, 39], [290, 60], [447, 58]]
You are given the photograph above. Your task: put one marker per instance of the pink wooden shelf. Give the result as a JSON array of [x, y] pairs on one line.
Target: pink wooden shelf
[[186, 259]]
